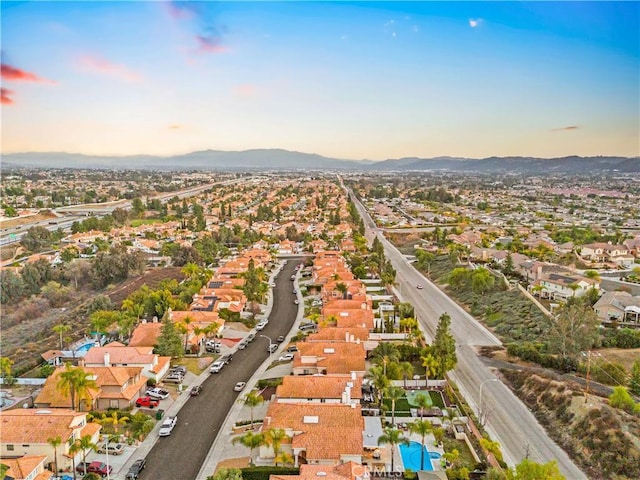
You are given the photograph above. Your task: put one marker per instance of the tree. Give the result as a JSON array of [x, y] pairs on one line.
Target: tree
[[392, 437], [36, 274], [394, 394], [169, 342], [634, 378], [384, 354], [36, 239], [86, 444], [423, 402], [60, 330], [74, 448], [252, 400], [275, 437], [530, 470], [481, 280], [422, 428], [492, 447], [379, 380], [431, 365], [188, 320], [101, 320], [406, 370], [573, 330], [444, 346], [5, 367], [226, 474], [508, 266], [251, 441], [620, 398], [342, 288], [55, 442], [115, 419], [77, 382], [12, 287]]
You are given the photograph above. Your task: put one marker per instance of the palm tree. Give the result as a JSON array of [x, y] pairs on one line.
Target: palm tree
[[385, 353], [406, 369], [74, 448], [252, 400], [115, 420], [431, 365], [451, 457], [84, 384], [379, 380], [86, 444], [492, 447], [67, 381], [438, 434], [342, 288], [422, 428], [188, 320], [251, 441], [274, 437], [60, 330], [393, 437], [55, 442], [394, 394], [422, 401]]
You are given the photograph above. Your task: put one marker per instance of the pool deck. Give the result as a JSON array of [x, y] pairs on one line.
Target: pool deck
[[385, 451]]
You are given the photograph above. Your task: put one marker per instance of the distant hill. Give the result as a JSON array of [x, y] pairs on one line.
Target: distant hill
[[277, 159]]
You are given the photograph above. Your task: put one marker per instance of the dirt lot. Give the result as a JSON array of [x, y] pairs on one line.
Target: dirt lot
[[14, 222], [25, 340]]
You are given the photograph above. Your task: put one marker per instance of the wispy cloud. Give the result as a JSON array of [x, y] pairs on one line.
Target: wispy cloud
[[566, 129], [14, 74], [199, 19], [96, 64], [245, 90], [475, 22], [174, 127], [5, 96]]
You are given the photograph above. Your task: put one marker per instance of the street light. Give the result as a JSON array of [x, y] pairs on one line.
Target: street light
[[480, 412], [270, 343]]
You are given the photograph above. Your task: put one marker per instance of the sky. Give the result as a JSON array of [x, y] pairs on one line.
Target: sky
[[343, 79]]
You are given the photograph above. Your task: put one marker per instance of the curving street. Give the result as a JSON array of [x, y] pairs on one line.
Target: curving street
[[508, 420], [182, 454]]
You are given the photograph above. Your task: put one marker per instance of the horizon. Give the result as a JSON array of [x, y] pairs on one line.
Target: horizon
[[346, 80]]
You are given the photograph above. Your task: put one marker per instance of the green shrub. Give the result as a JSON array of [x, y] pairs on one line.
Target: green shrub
[[263, 473]]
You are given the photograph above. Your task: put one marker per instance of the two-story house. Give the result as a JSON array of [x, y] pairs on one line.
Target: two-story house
[[26, 432], [115, 354]]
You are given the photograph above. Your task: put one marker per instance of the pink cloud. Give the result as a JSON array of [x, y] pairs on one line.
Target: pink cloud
[[245, 90], [564, 129], [5, 96], [180, 10], [15, 74], [209, 45], [103, 66]]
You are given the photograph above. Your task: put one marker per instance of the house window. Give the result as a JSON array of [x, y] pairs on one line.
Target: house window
[[113, 404], [10, 448], [25, 446]]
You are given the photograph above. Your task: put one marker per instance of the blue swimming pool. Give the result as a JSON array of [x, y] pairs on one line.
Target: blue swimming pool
[[84, 348], [411, 457]]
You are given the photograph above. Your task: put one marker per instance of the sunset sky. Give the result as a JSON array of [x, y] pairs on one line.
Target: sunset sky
[[350, 80]]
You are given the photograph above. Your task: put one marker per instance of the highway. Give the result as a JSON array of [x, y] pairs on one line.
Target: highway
[[508, 420]]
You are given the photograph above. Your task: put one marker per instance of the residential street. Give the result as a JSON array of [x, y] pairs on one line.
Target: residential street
[[508, 419], [180, 455]]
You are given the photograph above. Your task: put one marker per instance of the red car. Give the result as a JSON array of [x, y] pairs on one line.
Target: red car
[[95, 467], [147, 402]]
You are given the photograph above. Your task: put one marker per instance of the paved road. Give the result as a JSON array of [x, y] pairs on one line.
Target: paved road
[[181, 455], [507, 419]]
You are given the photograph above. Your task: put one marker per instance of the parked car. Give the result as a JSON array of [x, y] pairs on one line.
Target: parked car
[[226, 358], [100, 468], [250, 337], [261, 325], [195, 390], [147, 402], [296, 302], [295, 291], [307, 326], [280, 339], [167, 426], [173, 379], [212, 349], [242, 345], [135, 469], [272, 347], [158, 393], [292, 348], [273, 285], [287, 357], [178, 369], [112, 448], [419, 286], [216, 366], [239, 386]]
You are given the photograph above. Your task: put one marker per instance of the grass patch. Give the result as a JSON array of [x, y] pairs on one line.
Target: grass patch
[[191, 363], [466, 458]]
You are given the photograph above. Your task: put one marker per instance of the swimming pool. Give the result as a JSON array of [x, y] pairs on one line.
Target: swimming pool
[[411, 457], [83, 349]]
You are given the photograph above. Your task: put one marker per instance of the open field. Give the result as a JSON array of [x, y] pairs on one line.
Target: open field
[[17, 221]]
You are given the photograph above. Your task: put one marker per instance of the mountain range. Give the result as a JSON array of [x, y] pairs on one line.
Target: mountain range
[[277, 159]]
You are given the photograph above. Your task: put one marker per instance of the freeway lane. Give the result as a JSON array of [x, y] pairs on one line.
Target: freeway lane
[[180, 455], [507, 419]]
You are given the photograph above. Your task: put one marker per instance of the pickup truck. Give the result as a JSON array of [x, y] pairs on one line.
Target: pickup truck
[[167, 426], [100, 468], [135, 469], [147, 402]]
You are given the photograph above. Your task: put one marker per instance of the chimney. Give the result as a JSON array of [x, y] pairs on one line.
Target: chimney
[[346, 336], [353, 375], [107, 359]]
